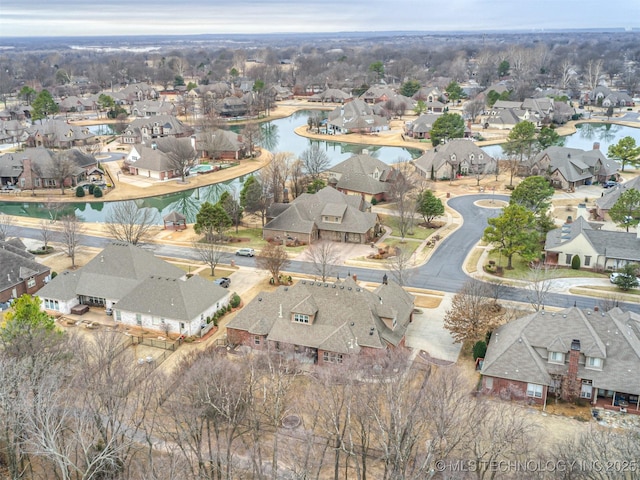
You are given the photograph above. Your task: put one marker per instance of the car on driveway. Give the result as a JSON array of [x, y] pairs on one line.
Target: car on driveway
[[224, 282], [245, 252], [610, 184]]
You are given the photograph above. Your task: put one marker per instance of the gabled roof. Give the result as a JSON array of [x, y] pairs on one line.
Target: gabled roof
[[59, 131], [575, 164], [112, 274], [305, 212], [172, 298], [519, 349], [12, 164], [356, 174], [460, 148], [17, 265], [345, 319], [612, 195]]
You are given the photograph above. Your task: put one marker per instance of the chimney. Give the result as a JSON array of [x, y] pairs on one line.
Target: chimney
[[596, 145], [569, 219], [571, 384]]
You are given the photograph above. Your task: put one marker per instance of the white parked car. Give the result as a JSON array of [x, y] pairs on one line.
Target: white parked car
[[245, 252]]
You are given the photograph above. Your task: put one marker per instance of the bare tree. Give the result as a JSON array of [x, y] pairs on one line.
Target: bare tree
[[401, 192], [539, 284], [62, 168], [399, 265], [324, 256], [298, 180], [253, 136], [592, 72], [6, 227], [128, 222], [72, 228], [472, 313], [273, 258], [276, 174], [210, 252], [180, 153], [46, 234], [315, 160], [473, 108]]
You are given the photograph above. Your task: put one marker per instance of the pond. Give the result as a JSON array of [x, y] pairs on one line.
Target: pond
[[279, 136], [587, 134]]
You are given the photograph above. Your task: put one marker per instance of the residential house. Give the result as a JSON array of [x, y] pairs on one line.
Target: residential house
[[327, 215], [141, 289], [76, 104], [611, 196], [233, 106], [573, 353], [429, 94], [136, 92], [420, 128], [605, 97], [454, 158], [568, 168], [36, 168], [355, 117], [221, 144], [331, 95], [152, 162], [146, 129], [19, 272], [362, 175], [597, 249], [152, 108], [324, 323], [378, 94], [279, 93], [12, 131], [214, 90], [50, 133]]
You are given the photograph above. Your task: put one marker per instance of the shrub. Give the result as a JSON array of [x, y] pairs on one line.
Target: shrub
[[79, 192], [91, 188], [575, 262], [374, 201], [510, 187], [235, 301], [54, 275], [97, 192], [479, 350]]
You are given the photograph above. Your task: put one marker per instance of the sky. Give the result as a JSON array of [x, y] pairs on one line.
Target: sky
[[37, 18]]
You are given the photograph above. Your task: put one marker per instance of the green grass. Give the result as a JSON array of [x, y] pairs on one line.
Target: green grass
[[521, 269], [418, 233]]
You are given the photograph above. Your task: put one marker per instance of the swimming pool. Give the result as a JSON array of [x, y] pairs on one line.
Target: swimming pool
[[201, 168]]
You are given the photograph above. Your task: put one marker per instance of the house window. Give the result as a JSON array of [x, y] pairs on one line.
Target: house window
[[587, 390], [138, 319], [594, 363], [118, 315], [556, 357], [31, 282], [330, 357], [587, 260], [568, 259], [534, 390], [300, 318], [256, 340]]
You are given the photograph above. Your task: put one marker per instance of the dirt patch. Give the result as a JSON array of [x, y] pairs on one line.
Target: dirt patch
[[59, 261], [424, 301], [491, 203]]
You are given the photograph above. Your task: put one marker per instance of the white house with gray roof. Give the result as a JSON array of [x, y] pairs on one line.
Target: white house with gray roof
[[574, 353], [324, 322], [456, 157], [597, 249]]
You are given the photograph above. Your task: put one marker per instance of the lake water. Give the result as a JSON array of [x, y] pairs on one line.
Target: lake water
[[279, 136], [587, 134]]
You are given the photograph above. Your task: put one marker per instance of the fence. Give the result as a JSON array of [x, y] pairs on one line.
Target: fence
[[157, 343]]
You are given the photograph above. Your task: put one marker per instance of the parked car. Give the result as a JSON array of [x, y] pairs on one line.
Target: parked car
[[246, 252], [108, 311], [610, 184], [614, 276], [224, 282]]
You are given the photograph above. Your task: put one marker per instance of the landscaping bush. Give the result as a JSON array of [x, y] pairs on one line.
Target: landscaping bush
[[79, 192], [97, 192], [479, 350], [91, 189], [374, 201], [235, 301], [54, 275], [575, 262], [510, 187]]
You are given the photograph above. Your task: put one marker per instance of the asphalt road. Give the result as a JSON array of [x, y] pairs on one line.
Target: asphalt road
[[443, 272]]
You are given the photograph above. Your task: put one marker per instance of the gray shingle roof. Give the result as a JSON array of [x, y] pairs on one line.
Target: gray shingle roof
[[112, 274], [16, 266], [461, 148], [519, 349], [575, 164], [346, 315], [612, 195], [172, 298]]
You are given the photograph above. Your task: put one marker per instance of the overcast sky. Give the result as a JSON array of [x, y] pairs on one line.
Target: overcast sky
[[28, 18]]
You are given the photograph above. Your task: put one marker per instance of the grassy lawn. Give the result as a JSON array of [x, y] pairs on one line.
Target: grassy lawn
[[418, 233], [220, 272], [408, 246], [472, 262], [607, 291], [521, 269]]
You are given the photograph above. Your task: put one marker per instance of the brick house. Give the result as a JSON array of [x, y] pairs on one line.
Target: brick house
[[321, 322], [573, 353], [19, 272]]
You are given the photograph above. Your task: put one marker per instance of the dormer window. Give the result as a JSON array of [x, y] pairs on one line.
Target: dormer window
[[556, 357], [300, 318], [472, 157], [594, 363]]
